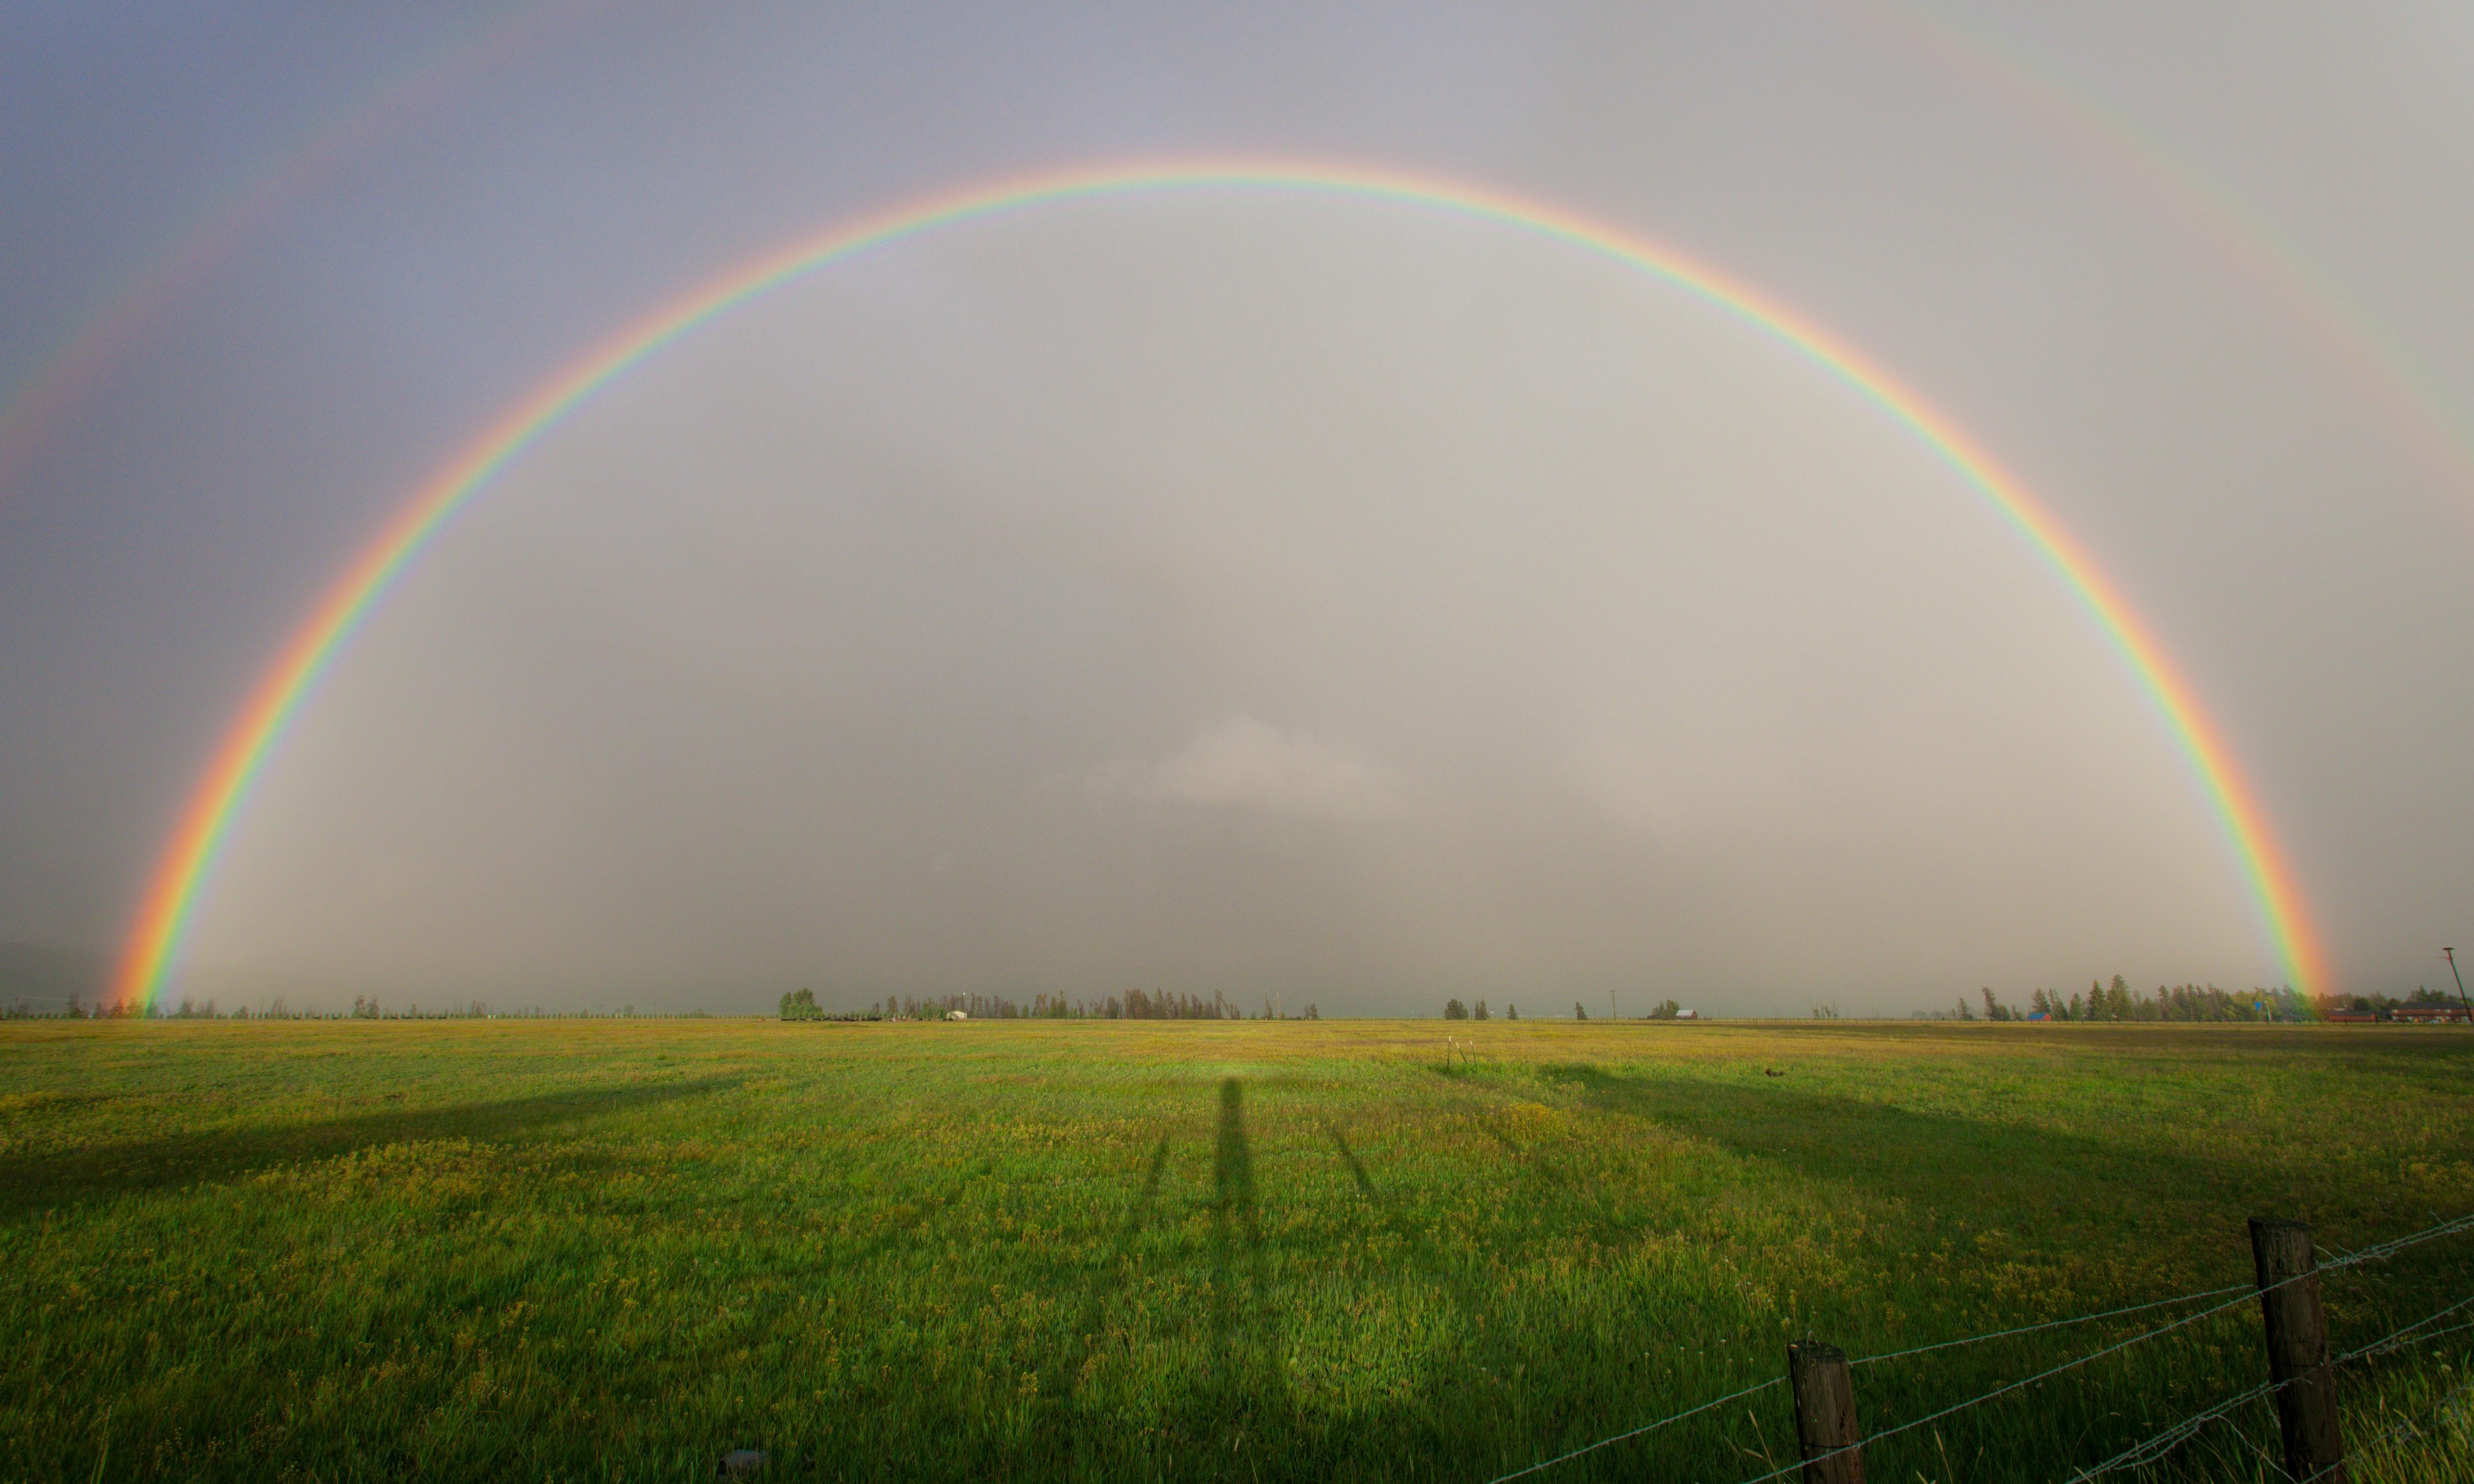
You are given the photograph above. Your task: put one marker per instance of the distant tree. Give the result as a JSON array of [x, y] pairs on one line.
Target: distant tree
[[1454, 1010], [1994, 1009], [1579, 1012], [1665, 1010], [1511, 1012], [1479, 1014], [1312, 1013], [800, 1005]]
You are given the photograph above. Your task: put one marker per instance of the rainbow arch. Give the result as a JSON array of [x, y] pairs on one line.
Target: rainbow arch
[[205, 821]]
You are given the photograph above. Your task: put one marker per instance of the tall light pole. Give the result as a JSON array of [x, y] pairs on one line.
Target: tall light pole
[[2450, 954]]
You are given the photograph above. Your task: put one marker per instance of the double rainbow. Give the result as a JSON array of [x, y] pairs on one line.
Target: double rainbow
[[206, 822]]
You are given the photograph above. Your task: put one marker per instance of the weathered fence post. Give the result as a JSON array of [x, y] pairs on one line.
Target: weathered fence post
[[1825, 1414], [2297, 1350]]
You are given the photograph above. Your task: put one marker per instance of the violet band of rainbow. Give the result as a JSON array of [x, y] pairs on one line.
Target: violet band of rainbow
[[187, 860]]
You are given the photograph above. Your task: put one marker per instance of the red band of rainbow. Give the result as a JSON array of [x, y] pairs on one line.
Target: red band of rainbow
[[172, 895]]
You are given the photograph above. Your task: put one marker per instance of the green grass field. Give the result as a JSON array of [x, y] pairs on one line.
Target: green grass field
[[604, 1250]]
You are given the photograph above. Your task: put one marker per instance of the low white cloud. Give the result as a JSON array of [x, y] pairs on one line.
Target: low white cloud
[[1243, 763]]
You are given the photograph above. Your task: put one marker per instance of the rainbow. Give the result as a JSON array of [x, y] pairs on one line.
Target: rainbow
[[85, 357], [189, 859]]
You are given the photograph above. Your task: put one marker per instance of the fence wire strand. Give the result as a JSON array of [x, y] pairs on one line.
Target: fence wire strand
[[1781, 1380], [2003, 1390], [2398, 1336], [2149, 1450], [2181, 1432], [2139, 1452], [2055, 1324], [1591, 1448], [2374, 1253], [2349, 1259]]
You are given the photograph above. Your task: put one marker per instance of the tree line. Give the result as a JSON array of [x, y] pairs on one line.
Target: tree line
[[1132, 1005], [365, 1007], [2187, 1002]]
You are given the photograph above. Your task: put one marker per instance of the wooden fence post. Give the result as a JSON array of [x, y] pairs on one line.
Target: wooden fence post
[[1825, 1414], [2297, 1350]]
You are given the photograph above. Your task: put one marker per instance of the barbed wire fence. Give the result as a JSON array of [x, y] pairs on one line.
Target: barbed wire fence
[[2152, 1449]]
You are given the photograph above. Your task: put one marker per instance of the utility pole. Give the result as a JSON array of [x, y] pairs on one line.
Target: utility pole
[[1610, 1005], [2450, 954]]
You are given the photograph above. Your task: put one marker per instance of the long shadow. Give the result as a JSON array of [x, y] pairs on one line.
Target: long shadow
[[31, 1184], [1349, 1157], [1247, 1395], [1107, 1281], [1933, 1158]]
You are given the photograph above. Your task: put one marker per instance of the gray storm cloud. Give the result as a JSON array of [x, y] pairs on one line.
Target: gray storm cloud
[[1241, 590]]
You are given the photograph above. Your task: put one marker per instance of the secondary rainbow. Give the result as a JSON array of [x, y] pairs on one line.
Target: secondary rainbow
[[2394, 383], [205, 821], [79, 361]]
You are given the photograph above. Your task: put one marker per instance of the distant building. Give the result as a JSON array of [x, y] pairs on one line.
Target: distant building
[[1687, 1015], [2432, 1014], [958, 1015], [2353, 1016]]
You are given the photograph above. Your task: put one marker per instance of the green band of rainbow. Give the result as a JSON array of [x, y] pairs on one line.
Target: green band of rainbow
[[155, 943]]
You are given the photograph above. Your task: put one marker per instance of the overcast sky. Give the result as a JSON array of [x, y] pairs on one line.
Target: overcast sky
[[1232, 591]]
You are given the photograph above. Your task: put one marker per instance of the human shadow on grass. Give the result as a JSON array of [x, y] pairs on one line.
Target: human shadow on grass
[[1242, 1403], [1242, 1397], [1470, 1406], [32, 1183]]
